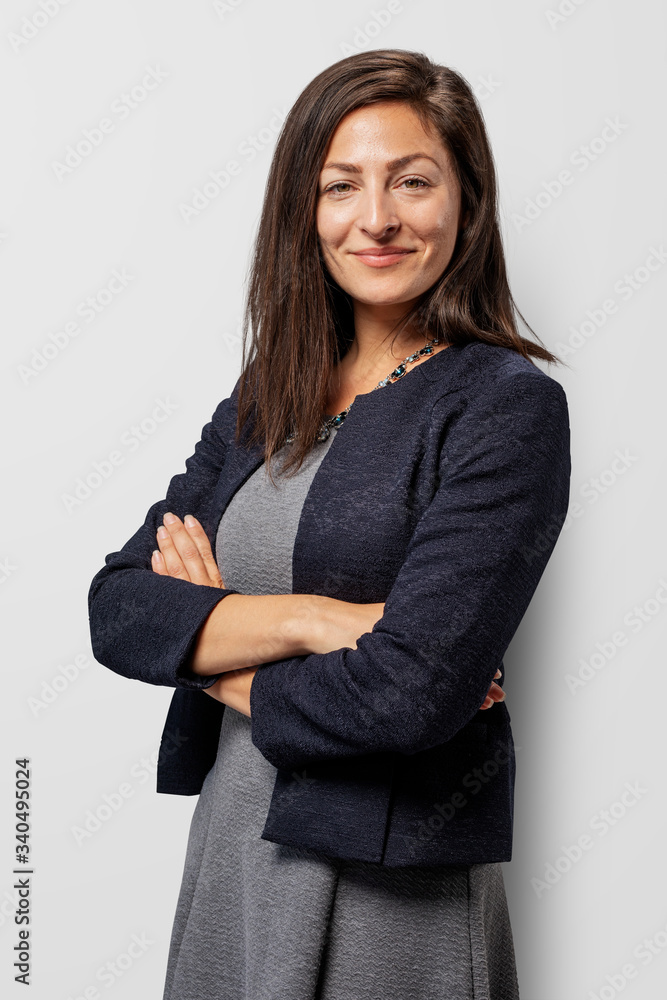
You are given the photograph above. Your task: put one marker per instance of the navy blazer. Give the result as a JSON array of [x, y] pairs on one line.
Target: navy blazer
[[442, 495]]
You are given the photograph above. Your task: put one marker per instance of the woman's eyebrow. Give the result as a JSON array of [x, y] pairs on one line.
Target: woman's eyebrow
[[352, 168]]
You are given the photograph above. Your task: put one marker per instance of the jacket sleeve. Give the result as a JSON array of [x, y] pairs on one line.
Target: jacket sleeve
[[471, 567], [144, 625]]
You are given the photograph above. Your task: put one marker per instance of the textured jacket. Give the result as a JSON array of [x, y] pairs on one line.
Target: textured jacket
[[442, 495]]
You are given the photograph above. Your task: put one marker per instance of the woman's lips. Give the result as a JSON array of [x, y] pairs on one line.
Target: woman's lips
[[382, 259]]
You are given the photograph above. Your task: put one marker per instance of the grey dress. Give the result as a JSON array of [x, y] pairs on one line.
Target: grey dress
[[262, 921]]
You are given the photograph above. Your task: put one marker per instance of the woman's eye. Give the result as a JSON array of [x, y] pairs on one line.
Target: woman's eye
[[415, 184]]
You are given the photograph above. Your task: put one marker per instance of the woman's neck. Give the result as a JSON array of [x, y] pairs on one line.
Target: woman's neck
[[370, 358]]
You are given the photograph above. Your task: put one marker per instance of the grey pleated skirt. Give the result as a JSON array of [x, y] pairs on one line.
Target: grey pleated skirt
[[262, 921]]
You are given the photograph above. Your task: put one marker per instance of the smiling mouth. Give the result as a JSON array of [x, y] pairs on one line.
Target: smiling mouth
[[381, 257]]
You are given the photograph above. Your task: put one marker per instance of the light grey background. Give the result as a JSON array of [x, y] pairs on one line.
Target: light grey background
[[549, 84]]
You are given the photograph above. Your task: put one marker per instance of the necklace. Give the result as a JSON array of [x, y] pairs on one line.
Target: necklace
[[398, 372]]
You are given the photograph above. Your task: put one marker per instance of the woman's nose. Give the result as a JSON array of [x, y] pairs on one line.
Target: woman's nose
[[377, 215]]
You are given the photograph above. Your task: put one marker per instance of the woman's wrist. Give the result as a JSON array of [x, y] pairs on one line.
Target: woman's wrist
[[244, 631], [303, 627]]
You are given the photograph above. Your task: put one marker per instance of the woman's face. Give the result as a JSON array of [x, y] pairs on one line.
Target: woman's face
[[387, 185]]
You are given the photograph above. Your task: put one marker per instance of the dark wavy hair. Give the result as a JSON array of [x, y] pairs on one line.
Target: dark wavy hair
[[300, 318]]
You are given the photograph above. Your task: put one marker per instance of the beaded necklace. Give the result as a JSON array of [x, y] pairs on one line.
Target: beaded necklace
[[398, 372]]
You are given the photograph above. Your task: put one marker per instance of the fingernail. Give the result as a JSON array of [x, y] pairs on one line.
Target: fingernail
[[189, 521], [170, 518], [157, 554], [162, 532]]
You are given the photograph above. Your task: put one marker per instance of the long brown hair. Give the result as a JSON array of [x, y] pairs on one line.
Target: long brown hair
[[301, 320]]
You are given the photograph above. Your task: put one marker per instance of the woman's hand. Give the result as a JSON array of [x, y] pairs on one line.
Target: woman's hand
[[494, 693], [185, 552], [233, 689], [341, 623]]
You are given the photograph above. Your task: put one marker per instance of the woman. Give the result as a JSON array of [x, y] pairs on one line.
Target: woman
[[331, 585]]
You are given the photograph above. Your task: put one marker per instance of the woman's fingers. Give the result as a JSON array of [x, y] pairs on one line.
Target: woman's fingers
[[494, 694], [200, 539], [185, 553], [178, 551], [158, 564]]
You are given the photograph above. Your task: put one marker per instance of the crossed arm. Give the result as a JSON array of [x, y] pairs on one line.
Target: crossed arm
[[238, 635]]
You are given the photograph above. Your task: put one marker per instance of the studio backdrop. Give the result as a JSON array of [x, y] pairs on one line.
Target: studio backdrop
[[136, 139]]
